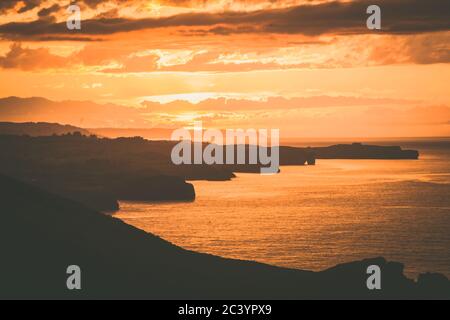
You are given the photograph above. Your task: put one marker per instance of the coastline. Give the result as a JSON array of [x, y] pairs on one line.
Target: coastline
[[314, 218], [122, 262]]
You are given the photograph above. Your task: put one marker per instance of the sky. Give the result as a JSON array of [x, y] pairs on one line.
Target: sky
[[309, 68]]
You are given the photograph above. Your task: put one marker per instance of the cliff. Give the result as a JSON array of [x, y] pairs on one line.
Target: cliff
[[99, 172], [361, 151]]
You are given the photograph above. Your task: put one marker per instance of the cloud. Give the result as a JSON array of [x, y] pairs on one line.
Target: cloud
[[421, 115], [29, 5], [136, 64], [369, 121], [25, 5], [203, 4], [356, 51], [40, 30], [31, 59], [271, 103], [348, 52], [6, 5], [79, 113], [93, 3], [45, 12], [398, 17], [419, 49]]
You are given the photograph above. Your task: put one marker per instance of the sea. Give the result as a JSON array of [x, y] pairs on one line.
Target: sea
[[315, 217]]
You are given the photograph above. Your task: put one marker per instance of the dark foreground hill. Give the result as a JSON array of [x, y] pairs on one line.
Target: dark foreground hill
[[42, 234]]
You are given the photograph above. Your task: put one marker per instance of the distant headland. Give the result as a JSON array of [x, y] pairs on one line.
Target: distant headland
[[99, 172], [361, 151]]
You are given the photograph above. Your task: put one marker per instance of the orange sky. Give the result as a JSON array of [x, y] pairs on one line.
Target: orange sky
[[310, 68]]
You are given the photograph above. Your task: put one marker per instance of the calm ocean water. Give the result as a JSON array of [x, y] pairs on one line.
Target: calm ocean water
[[315, 217]]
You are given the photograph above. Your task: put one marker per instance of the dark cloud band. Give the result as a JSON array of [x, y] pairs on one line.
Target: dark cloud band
[[398, 17]]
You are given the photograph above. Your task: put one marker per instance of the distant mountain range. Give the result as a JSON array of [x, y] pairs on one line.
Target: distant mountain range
[[42, 116], [42, 129], [38, 129], [84, 114]]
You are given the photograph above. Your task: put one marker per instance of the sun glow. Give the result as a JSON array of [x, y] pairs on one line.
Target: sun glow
[[187, 117], [154, 8]]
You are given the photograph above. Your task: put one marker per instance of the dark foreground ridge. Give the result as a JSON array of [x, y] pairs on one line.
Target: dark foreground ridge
[[42, 234]]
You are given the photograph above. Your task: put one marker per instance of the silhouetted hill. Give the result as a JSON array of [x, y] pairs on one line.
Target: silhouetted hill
[[77, 113], [42, 234], [38, 129], [149, 133], [100, 171], [362, 151]]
